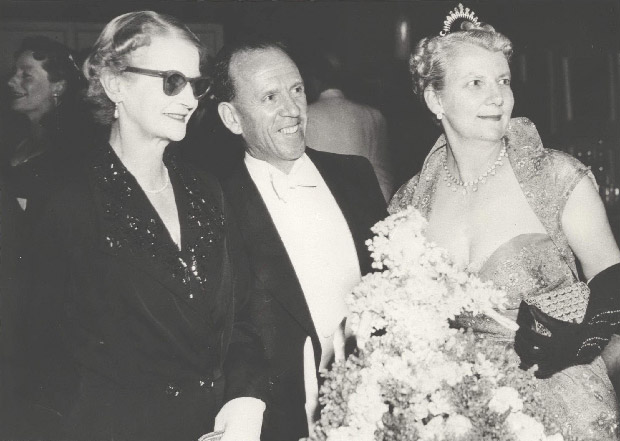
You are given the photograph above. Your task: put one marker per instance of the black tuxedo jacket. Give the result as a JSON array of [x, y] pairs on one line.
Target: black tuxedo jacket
[[279, 308]]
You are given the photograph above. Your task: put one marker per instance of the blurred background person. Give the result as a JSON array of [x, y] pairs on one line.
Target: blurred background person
[[138, 325], [339, 125], [44, 93], [41, 129]]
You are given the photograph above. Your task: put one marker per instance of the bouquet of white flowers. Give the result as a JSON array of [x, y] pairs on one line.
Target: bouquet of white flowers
[[414, 377]]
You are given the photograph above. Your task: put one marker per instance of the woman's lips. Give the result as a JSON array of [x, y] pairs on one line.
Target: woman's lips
[[176, 116], [491, 117]]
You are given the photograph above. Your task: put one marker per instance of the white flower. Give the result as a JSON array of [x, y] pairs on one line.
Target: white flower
[[409, 359], [504, 399], [458, 426], [435, 429], [346, 433], [366, 404], [525, 428], [440, 404]]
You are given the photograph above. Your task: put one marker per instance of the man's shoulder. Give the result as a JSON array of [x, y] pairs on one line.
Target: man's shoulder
[[354, 169], [335, 158], [338, 162]]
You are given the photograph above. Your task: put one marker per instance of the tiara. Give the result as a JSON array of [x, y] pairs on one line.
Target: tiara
[[459, 12]]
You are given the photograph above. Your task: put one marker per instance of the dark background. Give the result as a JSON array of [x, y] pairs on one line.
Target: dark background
[[565, 68]]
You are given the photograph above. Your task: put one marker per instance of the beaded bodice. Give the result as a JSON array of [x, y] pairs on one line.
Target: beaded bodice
[[528, 264], [131, 226], [533, 264]]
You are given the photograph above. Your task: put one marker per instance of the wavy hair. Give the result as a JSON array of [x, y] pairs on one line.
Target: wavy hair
[[432, 54], [120, 37]]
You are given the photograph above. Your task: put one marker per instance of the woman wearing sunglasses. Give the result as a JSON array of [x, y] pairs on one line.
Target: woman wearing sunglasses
[[142, 274]]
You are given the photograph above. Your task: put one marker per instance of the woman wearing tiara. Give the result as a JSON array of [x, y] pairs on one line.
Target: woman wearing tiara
[[513, 212]]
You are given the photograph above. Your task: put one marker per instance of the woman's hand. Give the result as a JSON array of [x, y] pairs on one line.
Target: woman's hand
[[569, 343], [241, 419]]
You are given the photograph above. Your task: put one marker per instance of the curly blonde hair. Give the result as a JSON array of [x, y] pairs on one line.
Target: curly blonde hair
[[431, 55], [123, 35]]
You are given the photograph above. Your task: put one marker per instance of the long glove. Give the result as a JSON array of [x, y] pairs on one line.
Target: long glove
[[571, 343], [240, 419]]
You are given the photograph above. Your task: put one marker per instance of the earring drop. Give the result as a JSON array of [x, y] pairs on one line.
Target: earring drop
[[55, 96], [115, 110]]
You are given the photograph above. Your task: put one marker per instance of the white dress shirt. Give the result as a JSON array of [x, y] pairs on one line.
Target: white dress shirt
[[318, 242]]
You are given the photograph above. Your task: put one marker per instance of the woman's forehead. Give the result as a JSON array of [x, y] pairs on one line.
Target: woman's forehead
[[26, 60], [166, 53], [468, 58]]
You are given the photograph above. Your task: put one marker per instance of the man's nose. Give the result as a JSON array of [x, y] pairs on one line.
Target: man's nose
[[290, 107]]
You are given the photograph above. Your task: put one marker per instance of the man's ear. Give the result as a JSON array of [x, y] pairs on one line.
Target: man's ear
[[111, 85], [230, 117], [433, 100]]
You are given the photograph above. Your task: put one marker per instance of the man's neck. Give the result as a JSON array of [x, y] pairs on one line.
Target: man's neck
[[285, 166]]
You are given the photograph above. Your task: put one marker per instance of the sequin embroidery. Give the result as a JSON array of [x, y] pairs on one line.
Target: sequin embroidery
[[131, 224]]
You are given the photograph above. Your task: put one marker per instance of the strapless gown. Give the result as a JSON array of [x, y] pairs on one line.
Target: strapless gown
[[581, 397], [528, 265]]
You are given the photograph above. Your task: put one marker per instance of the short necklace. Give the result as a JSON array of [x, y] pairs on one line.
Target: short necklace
[[453, 182], [159, 190]]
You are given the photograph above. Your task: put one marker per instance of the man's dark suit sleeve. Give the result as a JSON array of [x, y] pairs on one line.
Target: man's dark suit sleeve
[[245, 366]]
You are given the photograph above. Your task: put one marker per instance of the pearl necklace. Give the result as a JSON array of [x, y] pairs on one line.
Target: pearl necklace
[[159, 190], [453, 182]]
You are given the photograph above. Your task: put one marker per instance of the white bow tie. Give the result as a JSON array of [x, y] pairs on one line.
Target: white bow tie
[[284, 185]]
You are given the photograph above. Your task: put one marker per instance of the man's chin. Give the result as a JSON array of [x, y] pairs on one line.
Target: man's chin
[[295, 151], [301, 150]]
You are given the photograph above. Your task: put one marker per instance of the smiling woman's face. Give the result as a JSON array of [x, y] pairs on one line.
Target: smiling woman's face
[[477, 99], [32, 91]]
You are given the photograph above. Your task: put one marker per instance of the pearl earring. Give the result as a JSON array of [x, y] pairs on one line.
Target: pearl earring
[[439, 115], [115, 110]]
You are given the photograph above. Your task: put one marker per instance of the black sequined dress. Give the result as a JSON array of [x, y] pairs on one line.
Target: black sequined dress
[[157, 337]]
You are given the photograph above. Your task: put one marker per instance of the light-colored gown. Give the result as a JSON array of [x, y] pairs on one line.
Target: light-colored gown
[[581, 397]]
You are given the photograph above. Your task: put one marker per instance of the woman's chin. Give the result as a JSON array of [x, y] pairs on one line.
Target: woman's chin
[[18, 107], [177, 137], [176, 134]]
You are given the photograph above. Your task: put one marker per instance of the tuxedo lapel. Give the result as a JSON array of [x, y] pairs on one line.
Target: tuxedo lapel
[[271, 264]]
